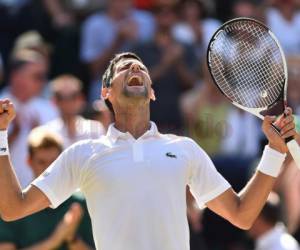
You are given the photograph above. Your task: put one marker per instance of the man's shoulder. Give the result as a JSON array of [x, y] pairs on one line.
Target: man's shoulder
[[184, 140], [89, 145]]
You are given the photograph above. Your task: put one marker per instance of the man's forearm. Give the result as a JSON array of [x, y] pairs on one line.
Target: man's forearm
[[242, 209], [253, 197], [11, 192]]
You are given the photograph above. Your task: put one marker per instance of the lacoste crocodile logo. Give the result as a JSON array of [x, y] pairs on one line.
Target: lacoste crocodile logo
[[3, 150], [169, 154]]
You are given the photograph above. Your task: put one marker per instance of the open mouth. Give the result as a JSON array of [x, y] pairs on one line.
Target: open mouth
[[135, 81]]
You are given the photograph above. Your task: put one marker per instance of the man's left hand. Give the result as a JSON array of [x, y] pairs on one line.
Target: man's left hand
[[287, 128]]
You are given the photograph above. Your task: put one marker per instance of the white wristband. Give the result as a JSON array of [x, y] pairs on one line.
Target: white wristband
[[271, 162], [3, 143]]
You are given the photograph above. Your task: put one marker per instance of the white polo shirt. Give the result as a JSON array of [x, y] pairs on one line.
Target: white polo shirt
[[135, 189]]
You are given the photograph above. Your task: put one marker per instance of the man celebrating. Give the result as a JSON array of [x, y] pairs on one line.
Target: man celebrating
[[134, 178]]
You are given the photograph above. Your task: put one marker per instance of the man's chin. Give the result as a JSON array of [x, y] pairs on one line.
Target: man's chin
[[136, 91]]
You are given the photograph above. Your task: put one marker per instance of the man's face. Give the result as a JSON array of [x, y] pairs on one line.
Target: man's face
[[42, 158], [29, 80], [131, 82], [69, 102]]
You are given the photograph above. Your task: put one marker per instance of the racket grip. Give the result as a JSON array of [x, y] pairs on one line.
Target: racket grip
[[278, 131], [276, 128], [294, 149]]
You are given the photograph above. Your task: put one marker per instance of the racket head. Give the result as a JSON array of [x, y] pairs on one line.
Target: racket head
[[248, 66]]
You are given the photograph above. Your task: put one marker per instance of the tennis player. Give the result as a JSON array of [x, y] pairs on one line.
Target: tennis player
[[135, 178]]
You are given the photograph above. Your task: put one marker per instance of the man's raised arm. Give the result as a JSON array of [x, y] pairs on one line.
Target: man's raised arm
[[15, 203], [242, 209]]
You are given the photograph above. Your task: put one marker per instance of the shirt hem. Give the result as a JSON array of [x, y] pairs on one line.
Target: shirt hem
[[48, 192], [213, 194]]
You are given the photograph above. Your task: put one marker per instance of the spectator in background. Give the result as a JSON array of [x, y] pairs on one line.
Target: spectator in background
[[216, 125], [65, 12], [193, 28], [248, 8], [67, 227], [28, 74], [206, 111], [284, 20], [293, 63], [237, 142], [104, 34], [144, 4], [172, 68], [69, 99], [32, 40], [99, 111], [1, 71], [268, 231]]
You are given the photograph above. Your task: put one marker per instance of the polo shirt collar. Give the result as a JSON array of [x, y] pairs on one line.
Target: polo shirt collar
[[113, 134]]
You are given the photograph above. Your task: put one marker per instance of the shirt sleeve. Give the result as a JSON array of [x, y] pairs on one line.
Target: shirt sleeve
[[205, 182], [61, 179]]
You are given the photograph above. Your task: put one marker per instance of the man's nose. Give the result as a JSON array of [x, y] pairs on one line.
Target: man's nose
[[135, 67]]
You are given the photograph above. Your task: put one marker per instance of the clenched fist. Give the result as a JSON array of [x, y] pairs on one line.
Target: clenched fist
[[7, 113], [286, 125]]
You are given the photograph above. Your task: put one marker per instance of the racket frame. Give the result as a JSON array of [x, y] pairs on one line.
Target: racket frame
[[292, 145], [281, 98]]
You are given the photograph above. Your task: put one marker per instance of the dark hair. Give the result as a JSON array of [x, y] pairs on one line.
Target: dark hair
[[109, 72]]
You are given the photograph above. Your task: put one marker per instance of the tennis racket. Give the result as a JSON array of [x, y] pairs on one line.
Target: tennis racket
[[248, 66]]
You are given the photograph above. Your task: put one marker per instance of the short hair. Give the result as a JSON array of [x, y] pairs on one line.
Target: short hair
[[61, 81], [109, 72], [42, 138], [24, 57], [272, 210]]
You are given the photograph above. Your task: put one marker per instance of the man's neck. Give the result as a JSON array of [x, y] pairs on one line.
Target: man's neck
[[136, 121]]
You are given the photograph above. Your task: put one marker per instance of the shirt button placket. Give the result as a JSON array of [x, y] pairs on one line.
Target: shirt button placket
[[137, 150]]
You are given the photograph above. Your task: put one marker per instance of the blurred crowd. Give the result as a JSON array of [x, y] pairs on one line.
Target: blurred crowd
[[54, 52]]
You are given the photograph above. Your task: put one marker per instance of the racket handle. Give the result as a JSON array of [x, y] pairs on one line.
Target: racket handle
[[294, 149], [275, 128], [278, 131]]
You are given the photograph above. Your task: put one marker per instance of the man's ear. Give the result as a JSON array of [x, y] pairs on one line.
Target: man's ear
[[105, 93], [152, 95]]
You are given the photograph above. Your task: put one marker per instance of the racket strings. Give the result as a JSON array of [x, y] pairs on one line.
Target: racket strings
[[247, 64]]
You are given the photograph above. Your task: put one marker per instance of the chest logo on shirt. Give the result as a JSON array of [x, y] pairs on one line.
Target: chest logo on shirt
[[3, 149], [46, 173], [169, 154]]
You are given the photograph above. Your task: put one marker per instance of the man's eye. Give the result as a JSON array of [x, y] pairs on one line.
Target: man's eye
[[124, 67]]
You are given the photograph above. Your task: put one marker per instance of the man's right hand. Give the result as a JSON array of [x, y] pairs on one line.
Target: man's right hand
[[7, 113]]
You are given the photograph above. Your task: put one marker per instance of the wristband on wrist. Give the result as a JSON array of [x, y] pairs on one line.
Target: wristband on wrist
[[271, 162], [3, 143]]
